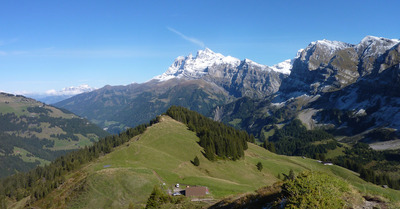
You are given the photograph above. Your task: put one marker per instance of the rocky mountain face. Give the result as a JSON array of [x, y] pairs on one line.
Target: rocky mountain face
[[374, 100], [326, 66], [200, 83], [352, 90]]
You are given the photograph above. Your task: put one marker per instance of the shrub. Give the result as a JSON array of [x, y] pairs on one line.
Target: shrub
[[315, 190]]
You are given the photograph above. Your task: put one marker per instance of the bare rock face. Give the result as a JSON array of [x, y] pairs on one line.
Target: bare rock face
[[247, 79]]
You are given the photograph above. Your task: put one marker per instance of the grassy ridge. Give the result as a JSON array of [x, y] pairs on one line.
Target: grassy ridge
[[162, 155]]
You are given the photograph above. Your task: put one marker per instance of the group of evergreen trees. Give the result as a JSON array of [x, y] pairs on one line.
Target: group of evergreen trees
[[217, 139], [361, 155], [295, 139]]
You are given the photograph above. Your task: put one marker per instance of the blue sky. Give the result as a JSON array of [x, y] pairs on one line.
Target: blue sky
[[55, 44]]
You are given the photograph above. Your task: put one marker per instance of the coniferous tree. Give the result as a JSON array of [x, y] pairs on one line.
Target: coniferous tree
[[196, 161], [259, 166]]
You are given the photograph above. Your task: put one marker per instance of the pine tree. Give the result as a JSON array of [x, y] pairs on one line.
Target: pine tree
[[259, 166], [196, 161]]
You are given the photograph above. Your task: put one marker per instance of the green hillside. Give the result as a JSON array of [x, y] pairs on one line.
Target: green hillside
[[32, 133], [163, 154]]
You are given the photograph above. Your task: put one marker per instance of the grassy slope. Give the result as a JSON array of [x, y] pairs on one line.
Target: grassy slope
[[163, 154]]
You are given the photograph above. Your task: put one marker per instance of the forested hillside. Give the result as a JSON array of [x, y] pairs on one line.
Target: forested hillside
[[32, 133]]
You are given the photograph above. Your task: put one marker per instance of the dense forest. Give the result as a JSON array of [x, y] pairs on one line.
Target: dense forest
[[295, 139], [217, 139]]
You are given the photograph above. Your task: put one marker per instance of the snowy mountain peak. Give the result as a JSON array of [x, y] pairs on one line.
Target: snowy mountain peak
[[208, 54], [195, 67], [372, 45], [370, 39], [331, 46]]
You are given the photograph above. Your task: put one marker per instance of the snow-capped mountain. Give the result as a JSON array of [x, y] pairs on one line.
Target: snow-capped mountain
[[190, 67], [239, 78], [53, 96]]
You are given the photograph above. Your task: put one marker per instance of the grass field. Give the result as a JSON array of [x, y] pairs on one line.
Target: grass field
[[163, 154]]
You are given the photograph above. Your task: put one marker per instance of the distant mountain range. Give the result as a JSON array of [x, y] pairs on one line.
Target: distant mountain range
[[53, 96], [350, 89]]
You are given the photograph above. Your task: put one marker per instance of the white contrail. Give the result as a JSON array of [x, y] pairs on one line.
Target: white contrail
[[192, 40]]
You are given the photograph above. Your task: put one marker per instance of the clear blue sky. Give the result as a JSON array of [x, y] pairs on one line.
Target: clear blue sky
[[54, 44]]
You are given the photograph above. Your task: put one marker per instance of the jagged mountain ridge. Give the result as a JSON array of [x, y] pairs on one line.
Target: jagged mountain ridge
[[239, 78], [327, 73], [326, 66]]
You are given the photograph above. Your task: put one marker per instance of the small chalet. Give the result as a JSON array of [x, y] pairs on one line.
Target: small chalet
[[196, 191]]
